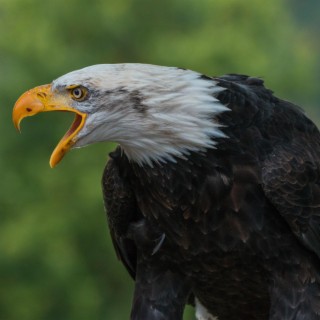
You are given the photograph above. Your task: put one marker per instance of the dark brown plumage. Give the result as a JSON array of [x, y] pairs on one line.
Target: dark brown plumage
[[238, 225]]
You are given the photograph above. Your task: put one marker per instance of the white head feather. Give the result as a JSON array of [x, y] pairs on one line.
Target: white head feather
[[155, 113]]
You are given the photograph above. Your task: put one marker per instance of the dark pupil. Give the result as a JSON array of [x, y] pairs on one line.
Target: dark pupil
[[77, 93]]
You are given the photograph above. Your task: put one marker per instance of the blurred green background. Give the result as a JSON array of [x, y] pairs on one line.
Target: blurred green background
[[56, 257]]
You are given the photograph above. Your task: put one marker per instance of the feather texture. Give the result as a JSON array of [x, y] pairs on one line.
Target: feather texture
[[240, 220], [155, 113]]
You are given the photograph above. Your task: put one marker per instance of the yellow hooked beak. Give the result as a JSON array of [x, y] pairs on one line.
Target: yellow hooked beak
[[42, 99]]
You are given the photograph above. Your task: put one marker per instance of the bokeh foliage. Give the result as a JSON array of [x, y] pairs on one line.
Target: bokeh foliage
[[56, 258]]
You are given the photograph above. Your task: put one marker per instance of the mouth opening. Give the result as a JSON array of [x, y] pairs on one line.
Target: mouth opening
[[74, 126], [69, 138]]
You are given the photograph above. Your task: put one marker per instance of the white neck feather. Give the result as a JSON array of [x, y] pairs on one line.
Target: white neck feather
[[179, 119]]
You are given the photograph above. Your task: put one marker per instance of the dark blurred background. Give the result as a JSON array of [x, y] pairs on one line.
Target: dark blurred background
[[56, 257]]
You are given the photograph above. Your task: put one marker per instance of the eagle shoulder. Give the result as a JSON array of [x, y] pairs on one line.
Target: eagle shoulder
[[291, 173]]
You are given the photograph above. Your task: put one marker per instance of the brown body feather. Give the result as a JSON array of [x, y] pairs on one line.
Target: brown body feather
[[239, 225]]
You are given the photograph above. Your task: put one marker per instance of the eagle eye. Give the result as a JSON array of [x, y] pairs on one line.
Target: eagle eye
[[78, 93]]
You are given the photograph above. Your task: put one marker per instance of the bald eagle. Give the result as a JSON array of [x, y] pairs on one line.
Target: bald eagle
[[213, 194]]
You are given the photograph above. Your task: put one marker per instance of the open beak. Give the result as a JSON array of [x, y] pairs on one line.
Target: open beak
[[42, 99]]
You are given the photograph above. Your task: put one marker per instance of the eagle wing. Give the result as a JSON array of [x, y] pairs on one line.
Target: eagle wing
[[159, 293], [121, 210], [291, 181]]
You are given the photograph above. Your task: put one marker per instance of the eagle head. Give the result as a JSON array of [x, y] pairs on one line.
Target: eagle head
[[155, 113]]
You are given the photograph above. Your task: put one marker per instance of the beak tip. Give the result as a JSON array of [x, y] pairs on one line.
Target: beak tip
[[17, 126], [51, 164], [53, 161], [29, 103]]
